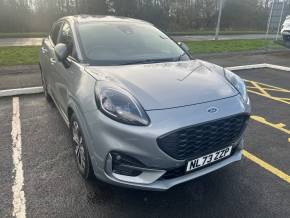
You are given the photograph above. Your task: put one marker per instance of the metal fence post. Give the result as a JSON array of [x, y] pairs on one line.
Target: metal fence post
[[219, 20], [269, 20]]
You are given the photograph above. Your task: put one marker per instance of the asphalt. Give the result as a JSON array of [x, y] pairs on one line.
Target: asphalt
[[53, 187], [37, 41], [279, 58], [19, 77], [5, 42], [6, 166]]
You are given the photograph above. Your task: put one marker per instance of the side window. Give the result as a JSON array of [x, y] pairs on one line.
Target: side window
[[54, 33], [66, 37]]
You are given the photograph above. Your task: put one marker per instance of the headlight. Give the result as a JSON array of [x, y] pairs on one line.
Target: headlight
[[238, 83], [120, 105]]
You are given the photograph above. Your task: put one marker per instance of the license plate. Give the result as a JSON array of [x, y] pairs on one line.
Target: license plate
[[208, 159]]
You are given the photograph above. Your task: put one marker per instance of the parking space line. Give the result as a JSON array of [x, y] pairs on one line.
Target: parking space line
[[19, 207], [248, 67], [259, 66], [21, 91], [267, 166]]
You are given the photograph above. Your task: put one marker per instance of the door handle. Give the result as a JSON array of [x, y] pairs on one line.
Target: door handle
[[44, 50], [52, 61]]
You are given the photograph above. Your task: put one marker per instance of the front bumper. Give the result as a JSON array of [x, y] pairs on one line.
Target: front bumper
[[285, 32], [162, 185], [140, 142]]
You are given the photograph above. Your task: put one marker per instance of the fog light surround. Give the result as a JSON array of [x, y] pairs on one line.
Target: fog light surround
[[125, 165], [124, 168]]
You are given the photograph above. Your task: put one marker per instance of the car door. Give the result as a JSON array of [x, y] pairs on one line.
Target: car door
[[48, 54], [65, 75]]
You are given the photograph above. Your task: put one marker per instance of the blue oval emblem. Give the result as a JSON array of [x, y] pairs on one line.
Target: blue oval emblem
[[212, 110]]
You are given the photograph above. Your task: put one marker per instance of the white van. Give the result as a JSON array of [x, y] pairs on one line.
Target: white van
[[285, 31]]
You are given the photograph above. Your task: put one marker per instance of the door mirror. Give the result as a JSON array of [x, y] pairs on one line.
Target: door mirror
[[183, 46], [61, 52]]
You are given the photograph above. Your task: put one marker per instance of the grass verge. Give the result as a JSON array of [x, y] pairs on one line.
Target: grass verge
[[29, 54], [18, 55], [205, 32], [223, 46]]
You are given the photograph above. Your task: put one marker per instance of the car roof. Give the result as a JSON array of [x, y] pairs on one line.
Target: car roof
[[85, 18]]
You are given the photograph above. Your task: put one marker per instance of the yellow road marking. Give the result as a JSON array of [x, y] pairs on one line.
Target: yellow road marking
[[279, 126], [264, 90], [277, 90], [287, 99], [267, 166], [260, 88], [267, 85], [270, 97]]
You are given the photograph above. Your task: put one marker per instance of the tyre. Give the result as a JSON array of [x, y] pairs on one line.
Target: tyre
[[46, 94], [286, 38], [81, 153]]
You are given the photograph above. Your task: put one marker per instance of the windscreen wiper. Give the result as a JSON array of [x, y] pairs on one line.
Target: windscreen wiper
[[149, 61]]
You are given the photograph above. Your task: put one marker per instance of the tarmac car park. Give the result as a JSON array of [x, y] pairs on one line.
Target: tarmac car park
[[37, 160]]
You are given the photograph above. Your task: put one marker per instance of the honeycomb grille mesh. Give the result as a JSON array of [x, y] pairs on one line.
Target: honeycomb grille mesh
[[198, 140]]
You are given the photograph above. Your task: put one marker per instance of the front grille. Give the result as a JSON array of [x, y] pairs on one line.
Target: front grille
[[198, 140]]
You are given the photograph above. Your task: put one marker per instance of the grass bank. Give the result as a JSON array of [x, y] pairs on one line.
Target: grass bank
[[210, 32], [223, 46], [29, 54], [18, 55]]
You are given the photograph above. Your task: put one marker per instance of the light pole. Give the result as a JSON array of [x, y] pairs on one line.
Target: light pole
[[269, 20], [219, 20]]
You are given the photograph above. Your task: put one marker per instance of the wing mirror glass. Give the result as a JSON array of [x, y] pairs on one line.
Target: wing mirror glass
[[184, 46]]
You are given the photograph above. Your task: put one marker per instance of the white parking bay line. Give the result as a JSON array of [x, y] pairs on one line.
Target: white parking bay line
[[259, 66], [19, 207], [21, 91]]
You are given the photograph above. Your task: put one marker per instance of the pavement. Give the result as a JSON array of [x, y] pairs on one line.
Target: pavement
[[252, 187], [37, 41], [5, 42]]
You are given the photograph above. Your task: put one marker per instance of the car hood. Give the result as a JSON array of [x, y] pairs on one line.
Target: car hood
[[168, 85]]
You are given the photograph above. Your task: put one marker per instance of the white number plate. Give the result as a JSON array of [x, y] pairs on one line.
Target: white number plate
[[207, 159]]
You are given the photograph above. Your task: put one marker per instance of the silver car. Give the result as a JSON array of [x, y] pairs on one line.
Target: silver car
[[142, 113]]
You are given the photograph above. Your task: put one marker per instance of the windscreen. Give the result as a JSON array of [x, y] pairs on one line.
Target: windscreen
[[117, 43]]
